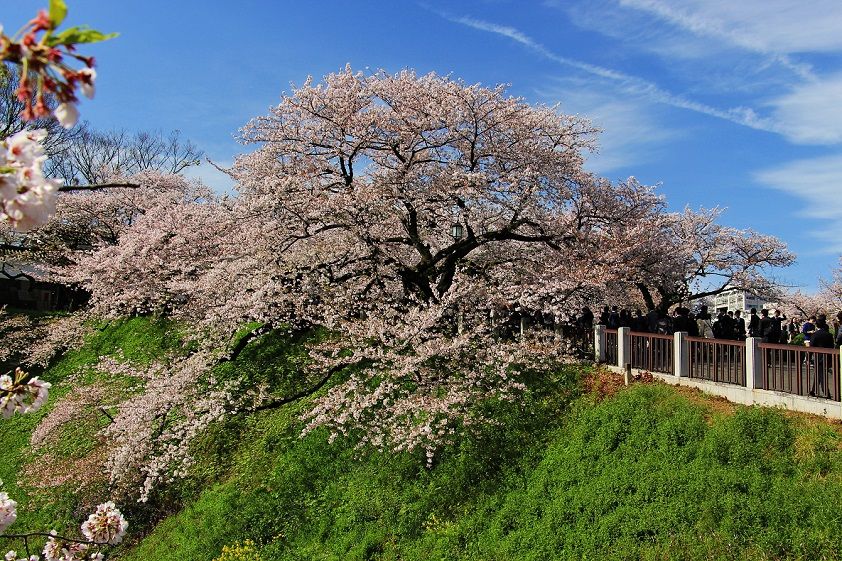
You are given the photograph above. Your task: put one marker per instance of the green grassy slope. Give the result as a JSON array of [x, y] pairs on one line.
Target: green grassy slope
[[649, 473], [640, 475], [60, 507]]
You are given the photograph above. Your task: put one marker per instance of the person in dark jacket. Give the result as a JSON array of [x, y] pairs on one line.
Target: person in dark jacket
[[639, 322], [723, 328], [779, 320], [652, 321], [821, 339], [821, 336], [837, 325], [753, 323], [793, 328], [614, 318], [767, 328], [808, 328], [625, 318], [740, 324], [683, 322]]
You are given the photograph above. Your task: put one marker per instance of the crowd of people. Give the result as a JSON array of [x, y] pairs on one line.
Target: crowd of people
[[770, 326], [815, 331]]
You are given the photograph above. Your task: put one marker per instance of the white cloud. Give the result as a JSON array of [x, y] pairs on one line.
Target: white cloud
[[632, 132], [700, 30], [776, 28], [741, 47], [818, 182], [628, 83], [809, 113], [764, 26]]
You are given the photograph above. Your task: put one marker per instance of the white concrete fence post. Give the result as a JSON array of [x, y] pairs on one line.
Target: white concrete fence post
[[839, 381], [623, 347], [599, 343], [753, 362], [681, 354]]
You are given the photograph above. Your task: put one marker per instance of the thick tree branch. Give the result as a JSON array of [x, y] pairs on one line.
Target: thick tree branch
[[97, 187]]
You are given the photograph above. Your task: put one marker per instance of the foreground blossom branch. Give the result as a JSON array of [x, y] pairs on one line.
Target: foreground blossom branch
[[27, 198], [19, 396], [104, 527], [43, 56]]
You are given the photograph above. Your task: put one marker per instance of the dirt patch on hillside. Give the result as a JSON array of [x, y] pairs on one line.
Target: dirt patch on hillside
[[47, 470], [603, 383]]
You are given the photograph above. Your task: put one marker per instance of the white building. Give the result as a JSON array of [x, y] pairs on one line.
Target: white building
[[736, 299]]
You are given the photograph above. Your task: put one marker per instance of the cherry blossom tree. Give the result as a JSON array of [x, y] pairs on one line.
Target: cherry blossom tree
[[688, 256], [831, 290], [400, 212], [86, 219], [826, 300]]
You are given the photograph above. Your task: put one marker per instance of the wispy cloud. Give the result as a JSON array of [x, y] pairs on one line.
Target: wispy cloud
[[768, 27], [632, 131], [809, 113], [816, 181], [628, 83]]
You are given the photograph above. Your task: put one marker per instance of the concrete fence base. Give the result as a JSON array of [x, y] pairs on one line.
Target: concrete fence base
[[749, 396]]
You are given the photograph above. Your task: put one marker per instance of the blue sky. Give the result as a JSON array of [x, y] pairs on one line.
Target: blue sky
[[721, 102]]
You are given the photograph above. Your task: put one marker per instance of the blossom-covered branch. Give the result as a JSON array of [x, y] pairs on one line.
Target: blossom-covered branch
[[44, 57]]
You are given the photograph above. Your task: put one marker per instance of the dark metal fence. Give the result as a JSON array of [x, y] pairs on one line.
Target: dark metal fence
[[611, 346], [652, 352], [799, 370], [718, 360]]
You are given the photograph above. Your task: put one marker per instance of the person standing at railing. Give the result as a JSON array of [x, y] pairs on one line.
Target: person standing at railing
[[732, 324], [652, 321], [793, 329], [808, 328], [603, 317], [639, 322], [683, 322], [723, 328], [821, 339], [614, 318], [704, 323], [585, 327], [779, 320], [740, 324], [768, 328], [838, 324]]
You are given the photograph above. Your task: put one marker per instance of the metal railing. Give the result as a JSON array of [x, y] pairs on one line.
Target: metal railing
[[611, 346], [799, 370], [718, 360], [652, 352]]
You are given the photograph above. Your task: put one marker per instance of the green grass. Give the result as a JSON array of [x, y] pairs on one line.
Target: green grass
[[640, 475], [648, 473], [141, 341]]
